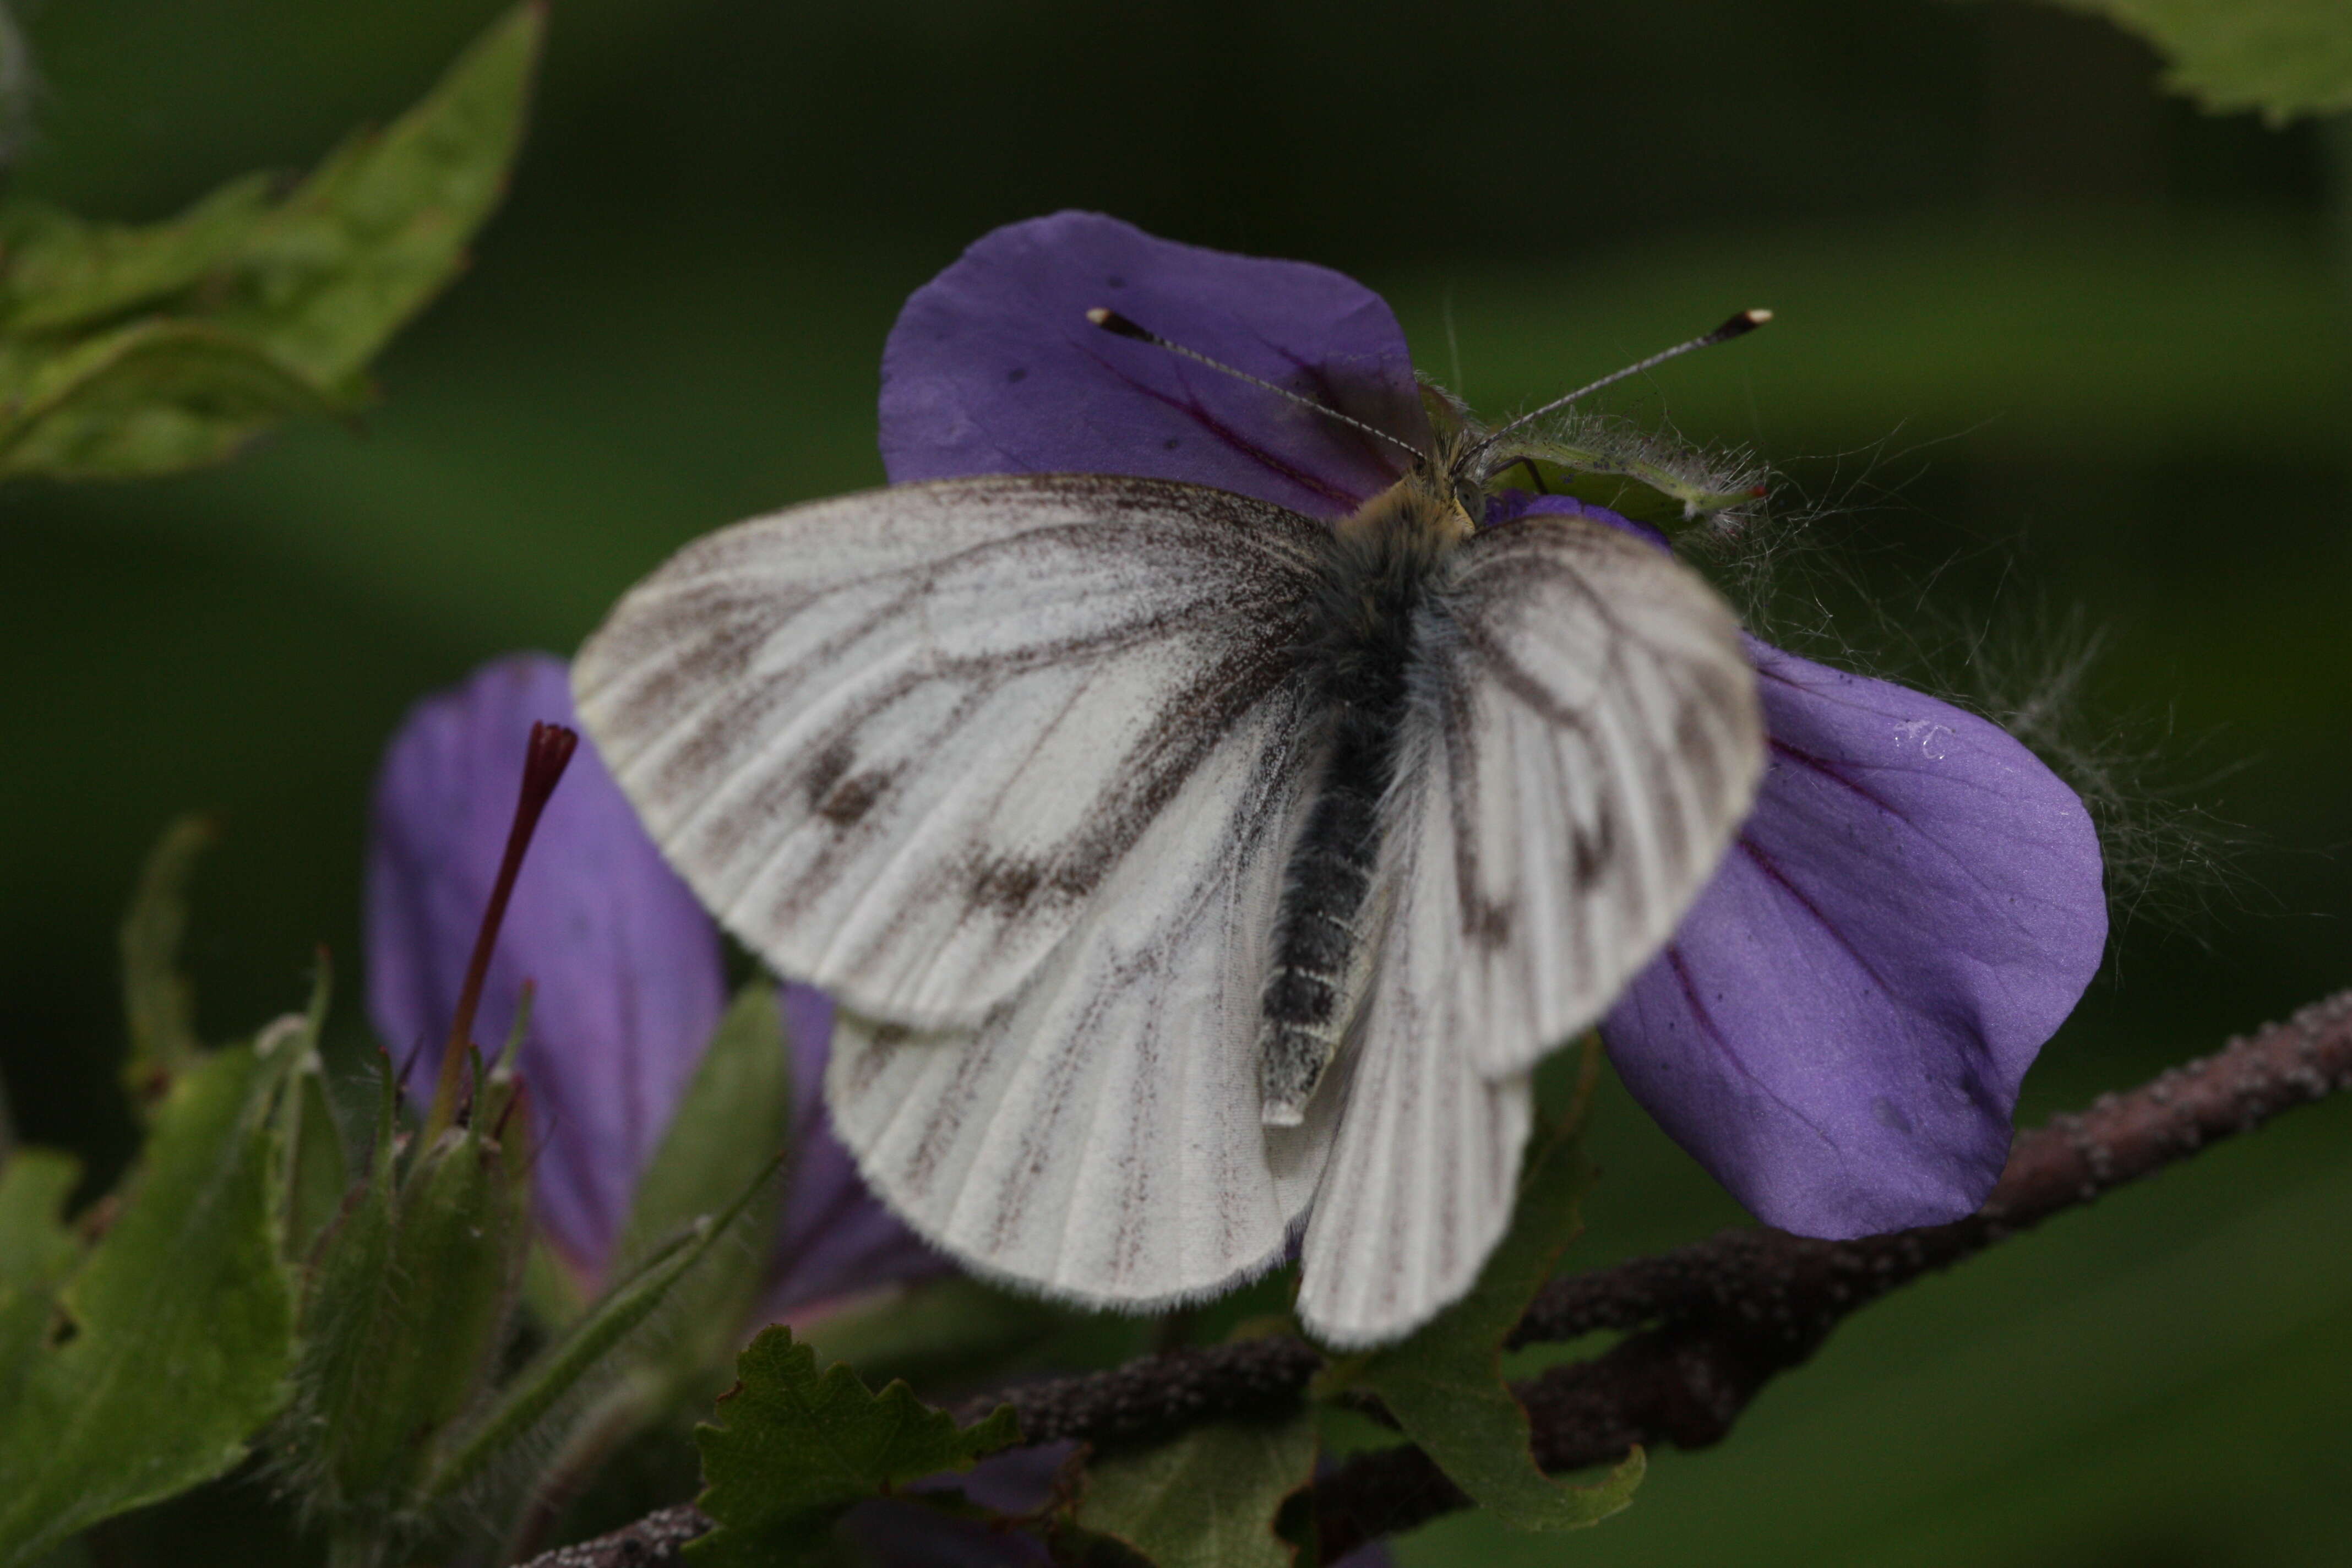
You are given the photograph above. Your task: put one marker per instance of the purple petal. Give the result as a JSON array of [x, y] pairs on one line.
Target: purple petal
[[993, 368], [1838, 1029], [838, 1240], [626, 965]]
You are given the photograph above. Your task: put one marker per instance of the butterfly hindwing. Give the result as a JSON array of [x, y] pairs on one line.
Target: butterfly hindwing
[[898, 741], [1420, 1179], [1581, 741], [1100, 1138]]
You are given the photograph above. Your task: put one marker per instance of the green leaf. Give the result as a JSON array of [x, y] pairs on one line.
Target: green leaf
[[1446, 1386], [723, 1138], [155, 996], [1206, 1499], [138, 349], [2284, 58], [551, 1374], [180, 1325], [790, 1450], [152, 397], [37, 1252], [382, 224], [64, 273]]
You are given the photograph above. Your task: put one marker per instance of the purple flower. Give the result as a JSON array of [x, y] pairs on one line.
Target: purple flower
[[1839, 1027], [628, 973]]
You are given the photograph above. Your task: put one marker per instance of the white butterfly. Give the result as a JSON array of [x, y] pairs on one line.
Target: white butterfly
[[1184, 865]]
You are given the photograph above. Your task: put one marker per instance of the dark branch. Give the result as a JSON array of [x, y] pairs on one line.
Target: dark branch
[[1718, 1318], [1145, 1400], [658, 1538]]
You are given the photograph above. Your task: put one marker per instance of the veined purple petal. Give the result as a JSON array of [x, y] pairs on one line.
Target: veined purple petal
[[1839, 1027], [993, 368], [626, 965], [838, 1240]]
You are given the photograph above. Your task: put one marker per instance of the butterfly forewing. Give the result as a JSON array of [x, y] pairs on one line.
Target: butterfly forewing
[[1100, 1138], [898, 741]]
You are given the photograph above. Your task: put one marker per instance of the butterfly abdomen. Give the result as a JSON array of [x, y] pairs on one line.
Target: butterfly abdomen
[[1379, 575]]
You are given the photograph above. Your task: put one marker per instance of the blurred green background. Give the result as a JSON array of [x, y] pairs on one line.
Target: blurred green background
[[2055, 356]]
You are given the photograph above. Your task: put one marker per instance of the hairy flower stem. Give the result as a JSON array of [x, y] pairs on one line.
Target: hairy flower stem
[[549, 754]]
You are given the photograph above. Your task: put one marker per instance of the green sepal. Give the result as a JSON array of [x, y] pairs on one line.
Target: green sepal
[[553, 1373], [317, 1167], [552, 1292], [128, 351], [409, 1306], [157, 1001], [716, 1155], [182, 1321], [1636, 476], [1207, 1499], [792, 1450], [456, 1264], [1444, 1385], [328, 1445], [701, 1232]]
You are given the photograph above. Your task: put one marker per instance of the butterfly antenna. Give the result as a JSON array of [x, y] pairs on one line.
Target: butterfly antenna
[[1739, 326], [1118, 326]]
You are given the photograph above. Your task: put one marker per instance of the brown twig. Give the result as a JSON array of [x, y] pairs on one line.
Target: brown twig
[[658, 1538], [1717, 1319]]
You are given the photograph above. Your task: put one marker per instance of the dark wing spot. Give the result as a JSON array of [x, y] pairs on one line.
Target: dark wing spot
[[1006, 886], [1490, 924], [826, 771], [852, 798]]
